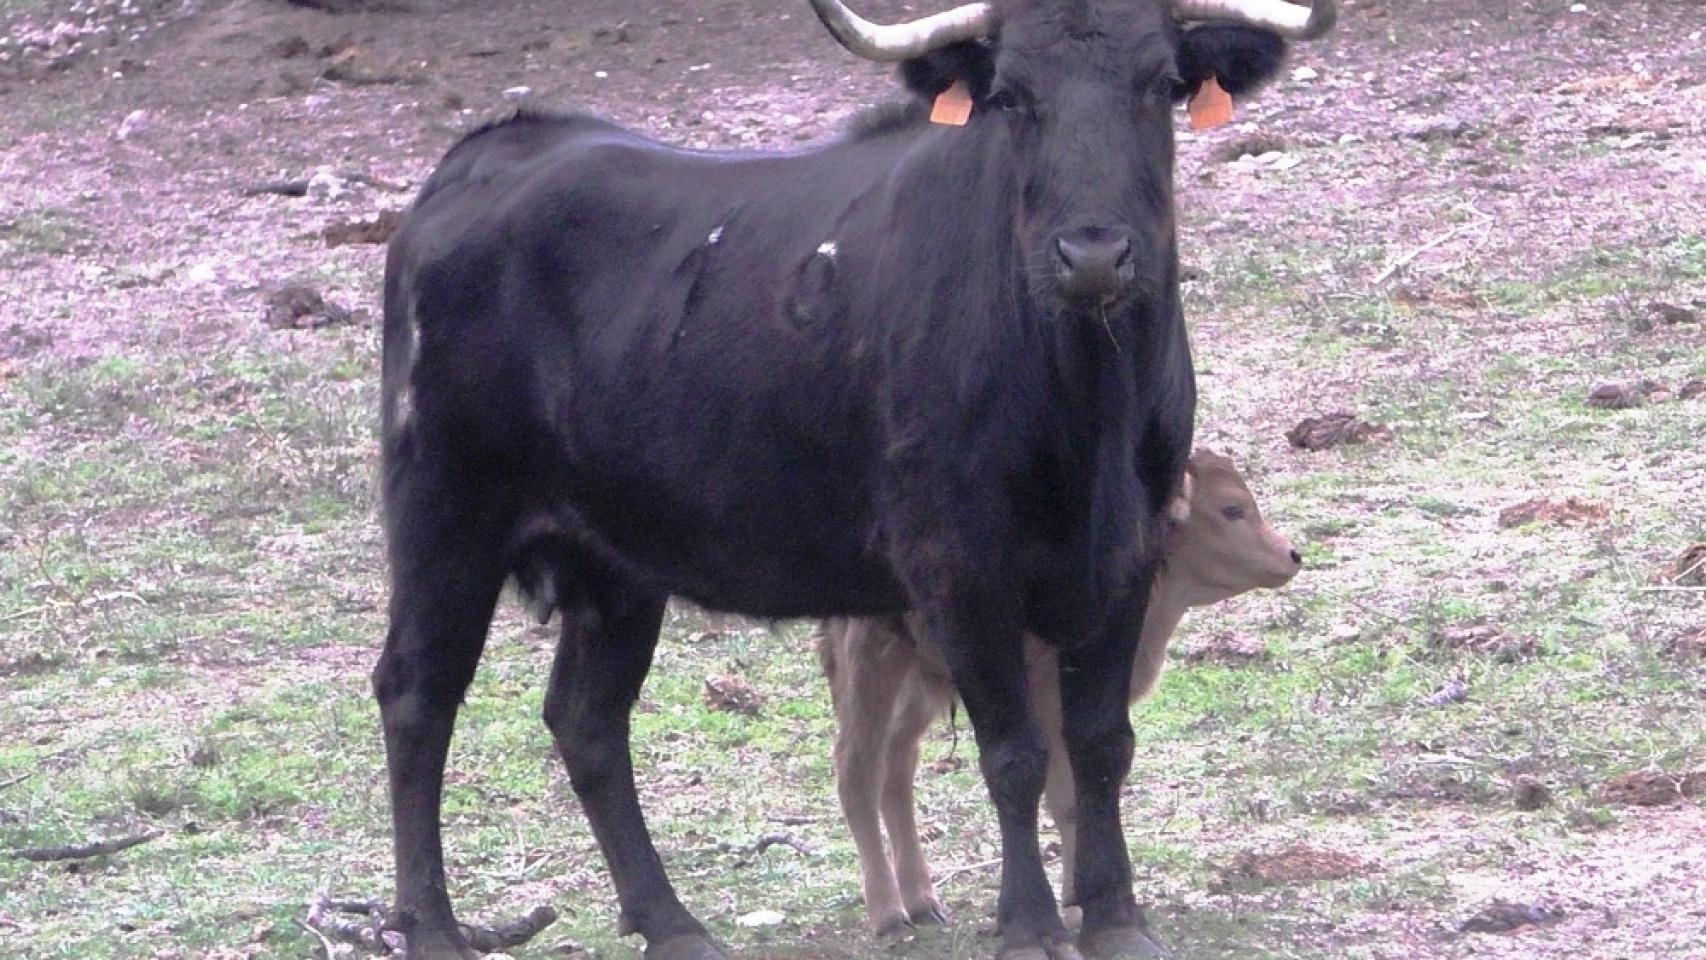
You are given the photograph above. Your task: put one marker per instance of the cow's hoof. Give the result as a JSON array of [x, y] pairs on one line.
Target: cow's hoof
[[688, 946], [1131, 942], [436, 948], [1048, 950], [930, 913]]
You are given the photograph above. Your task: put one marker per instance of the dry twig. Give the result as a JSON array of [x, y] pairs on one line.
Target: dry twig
[[369, 933], [82, 851], [1406, 259]]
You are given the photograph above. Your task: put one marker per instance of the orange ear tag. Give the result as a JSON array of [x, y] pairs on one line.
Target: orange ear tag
[[1210, 105], [952, 106]]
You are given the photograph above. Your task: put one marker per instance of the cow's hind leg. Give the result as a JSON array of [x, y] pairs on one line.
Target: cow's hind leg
[[446, 570], [610, 628]]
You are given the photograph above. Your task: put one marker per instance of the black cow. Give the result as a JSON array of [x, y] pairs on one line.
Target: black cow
[[908, 369]]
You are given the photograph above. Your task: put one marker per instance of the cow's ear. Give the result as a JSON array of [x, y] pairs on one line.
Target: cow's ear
[[1241, 58], [971, 61]]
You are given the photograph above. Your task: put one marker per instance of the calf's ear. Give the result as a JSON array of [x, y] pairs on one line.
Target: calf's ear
[[969, 61], [1241, 58]]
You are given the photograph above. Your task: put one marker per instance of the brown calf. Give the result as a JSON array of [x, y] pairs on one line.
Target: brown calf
[[888, 689]]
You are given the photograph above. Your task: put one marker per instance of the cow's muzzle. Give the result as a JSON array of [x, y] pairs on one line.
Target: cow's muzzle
[[1094, 267]]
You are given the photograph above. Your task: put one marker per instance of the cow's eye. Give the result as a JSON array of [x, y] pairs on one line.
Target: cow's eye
[[1002, 98], [1232, 513], [1163, 87]]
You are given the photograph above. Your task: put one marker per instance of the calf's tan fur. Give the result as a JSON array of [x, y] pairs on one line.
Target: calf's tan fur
[[888, 688]]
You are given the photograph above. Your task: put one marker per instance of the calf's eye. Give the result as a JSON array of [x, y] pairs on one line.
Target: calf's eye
[[1232, 513]]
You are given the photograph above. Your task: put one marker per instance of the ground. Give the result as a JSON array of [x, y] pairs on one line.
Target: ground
[[1451, 737]]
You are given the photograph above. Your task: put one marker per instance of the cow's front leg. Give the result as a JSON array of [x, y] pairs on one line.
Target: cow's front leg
[[981, 639], [1095, 683]]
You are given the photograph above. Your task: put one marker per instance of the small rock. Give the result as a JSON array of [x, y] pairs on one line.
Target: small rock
[[1335, 429], [1691, 389], [518, 93], [1304, 74], [761, 918], [326, 185], [134, 122]]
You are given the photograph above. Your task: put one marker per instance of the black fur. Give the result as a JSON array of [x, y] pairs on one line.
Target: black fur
[[1242, 59]]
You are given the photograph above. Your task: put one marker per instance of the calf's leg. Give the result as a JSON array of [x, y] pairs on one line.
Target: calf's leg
[[918, 706], [610, 629], [871, 668], [1044, 670], [446, 575]]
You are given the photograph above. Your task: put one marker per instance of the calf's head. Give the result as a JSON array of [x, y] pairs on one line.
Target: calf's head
[[1077, 96], [1222, 547]]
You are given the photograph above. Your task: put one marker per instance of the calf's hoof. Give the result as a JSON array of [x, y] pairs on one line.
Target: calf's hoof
[[890, 925], [687, 946], [1121, 943], [930, 913]]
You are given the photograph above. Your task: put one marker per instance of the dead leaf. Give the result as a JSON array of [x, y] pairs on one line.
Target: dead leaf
[[1485, 638], [1653, 788], [1688, 646], [1452, 691], [298, 307], [1335, 429], [1674, 314], [1621, 396], [1566, 512], [1531, 794], [376, 230], [1293, 864], [731, 694], [1233, 648], [1687, 570]]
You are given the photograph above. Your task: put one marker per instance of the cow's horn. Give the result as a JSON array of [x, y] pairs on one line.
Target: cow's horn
[[1286, 19], [903, 41]]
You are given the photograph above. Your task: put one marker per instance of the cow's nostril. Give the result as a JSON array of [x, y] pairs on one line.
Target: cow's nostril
[[1296, 557], [1122, 253]]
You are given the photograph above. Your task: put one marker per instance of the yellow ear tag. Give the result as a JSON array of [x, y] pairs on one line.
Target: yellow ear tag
[[953, 106], [1210, 106]]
